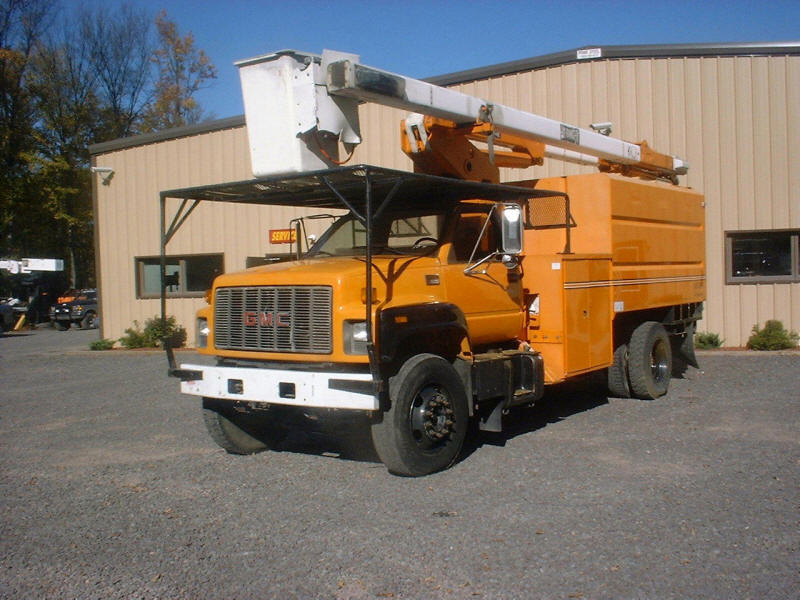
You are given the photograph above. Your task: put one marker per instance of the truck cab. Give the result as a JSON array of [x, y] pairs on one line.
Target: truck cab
[[425, 272]]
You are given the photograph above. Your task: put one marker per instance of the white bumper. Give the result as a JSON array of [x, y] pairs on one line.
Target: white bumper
[[274, 386]]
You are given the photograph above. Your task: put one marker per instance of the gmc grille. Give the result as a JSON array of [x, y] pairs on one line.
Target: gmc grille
[[274, 319]]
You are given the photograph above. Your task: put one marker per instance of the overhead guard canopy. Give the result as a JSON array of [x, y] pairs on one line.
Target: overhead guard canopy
[[346, 187]]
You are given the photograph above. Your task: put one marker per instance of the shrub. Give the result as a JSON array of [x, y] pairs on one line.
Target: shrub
[[104, 344], [772, 337], [154, 331], [134, 337], [707, 341]]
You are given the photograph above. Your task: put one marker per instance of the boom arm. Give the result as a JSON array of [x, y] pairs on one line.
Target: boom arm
[[299, 106], [354, 80]]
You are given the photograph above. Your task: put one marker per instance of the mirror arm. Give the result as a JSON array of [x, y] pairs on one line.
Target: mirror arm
[[488, 257]]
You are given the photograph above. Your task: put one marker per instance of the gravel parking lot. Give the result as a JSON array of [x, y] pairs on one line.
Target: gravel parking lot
[[111, 488]]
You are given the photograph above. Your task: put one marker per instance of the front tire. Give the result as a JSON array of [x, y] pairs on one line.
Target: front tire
[[61, 325], [425, 427], [650, 361], [239, 433]]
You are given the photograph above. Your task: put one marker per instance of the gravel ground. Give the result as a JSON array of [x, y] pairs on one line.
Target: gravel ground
[[111, 488]]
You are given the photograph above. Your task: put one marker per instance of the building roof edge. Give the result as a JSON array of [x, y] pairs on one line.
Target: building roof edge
[[590, 53], [583, 54], [167, 134]]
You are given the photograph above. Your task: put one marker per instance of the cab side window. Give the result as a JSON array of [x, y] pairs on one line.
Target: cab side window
[[468, 228]]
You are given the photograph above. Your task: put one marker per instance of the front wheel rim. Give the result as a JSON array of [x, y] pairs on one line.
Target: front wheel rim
[[431, 417]]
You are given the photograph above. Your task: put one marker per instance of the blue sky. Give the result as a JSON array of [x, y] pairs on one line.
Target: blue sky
[[435, 37]]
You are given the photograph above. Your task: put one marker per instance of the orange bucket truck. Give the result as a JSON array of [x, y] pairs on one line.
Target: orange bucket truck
[[438, 298]]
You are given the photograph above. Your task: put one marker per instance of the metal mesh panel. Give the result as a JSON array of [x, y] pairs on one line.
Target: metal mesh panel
[[274, 319], [549, 212]]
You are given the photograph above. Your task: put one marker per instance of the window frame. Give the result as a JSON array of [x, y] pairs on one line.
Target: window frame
[[794, 257], [181, 259]]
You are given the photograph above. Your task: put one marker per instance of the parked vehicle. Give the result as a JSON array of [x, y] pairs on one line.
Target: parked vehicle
[[81, 311], [6, 317], [441, 297]]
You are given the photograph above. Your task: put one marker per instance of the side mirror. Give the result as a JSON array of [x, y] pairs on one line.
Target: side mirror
[[511, 229]]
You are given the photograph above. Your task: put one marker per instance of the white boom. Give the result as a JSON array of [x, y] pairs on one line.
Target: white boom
[[320, 94], [29, 265]]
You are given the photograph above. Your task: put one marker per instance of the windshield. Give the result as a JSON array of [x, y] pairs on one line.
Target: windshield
[[416, 233]]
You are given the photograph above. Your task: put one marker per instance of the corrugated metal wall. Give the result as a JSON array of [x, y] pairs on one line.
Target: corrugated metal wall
[[735, 119], [128, 220]]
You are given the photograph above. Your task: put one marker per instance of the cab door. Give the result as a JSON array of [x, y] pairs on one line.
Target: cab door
[[490, 295]]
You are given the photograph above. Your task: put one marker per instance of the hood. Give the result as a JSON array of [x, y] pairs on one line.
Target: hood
[[326, 270]]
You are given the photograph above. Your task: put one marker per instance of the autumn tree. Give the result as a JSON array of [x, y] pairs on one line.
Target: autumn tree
[[98, 76], [22, 24], [183, 70], [64, 85]]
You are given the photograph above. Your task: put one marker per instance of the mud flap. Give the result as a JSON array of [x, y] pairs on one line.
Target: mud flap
[[686, 348]]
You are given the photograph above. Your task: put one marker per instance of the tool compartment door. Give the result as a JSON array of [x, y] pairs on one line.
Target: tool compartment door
[[587, 312]]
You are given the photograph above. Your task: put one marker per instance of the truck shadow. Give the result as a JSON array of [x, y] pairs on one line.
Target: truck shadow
[[349, 439], [558, 403]]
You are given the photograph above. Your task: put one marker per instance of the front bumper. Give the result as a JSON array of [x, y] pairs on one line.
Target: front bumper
[[280, 386]]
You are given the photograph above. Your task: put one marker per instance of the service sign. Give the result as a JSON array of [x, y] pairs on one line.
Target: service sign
[[282, 236]]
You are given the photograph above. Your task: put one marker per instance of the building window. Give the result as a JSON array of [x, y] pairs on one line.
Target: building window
[[762, 256], [187, 276]]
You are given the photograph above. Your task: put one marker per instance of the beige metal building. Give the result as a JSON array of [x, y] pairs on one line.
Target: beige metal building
[[732, 111]]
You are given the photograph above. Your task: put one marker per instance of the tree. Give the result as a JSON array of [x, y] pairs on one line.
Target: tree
[[120, 50], [182, 71], [69, 116], [22, 23], [92, 80]]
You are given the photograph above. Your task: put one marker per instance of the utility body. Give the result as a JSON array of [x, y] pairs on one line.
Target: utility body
[[439, 298]]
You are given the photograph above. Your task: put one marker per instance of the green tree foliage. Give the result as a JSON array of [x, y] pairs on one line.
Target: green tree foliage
[[22, 24], [66, 82]]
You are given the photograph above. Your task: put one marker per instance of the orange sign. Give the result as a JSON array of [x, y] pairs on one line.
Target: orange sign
[[282, 236]]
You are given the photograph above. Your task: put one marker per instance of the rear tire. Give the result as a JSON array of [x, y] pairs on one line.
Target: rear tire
[[239, 433], [425, 427], [618, 383], [650, 361]]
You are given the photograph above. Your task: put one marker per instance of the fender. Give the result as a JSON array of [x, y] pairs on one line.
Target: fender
[[432, 323]]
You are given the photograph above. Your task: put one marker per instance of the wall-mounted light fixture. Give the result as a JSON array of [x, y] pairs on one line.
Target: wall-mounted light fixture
[[106, 173]]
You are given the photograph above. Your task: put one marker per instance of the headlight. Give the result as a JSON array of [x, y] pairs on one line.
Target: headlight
[[355, 337], [202, 333]]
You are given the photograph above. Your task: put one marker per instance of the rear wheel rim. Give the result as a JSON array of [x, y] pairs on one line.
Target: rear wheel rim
[[659, 362]]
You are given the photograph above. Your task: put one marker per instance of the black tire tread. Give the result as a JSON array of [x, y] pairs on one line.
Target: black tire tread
[[643, 339], [228, 435], [618, 383], [393, 447]]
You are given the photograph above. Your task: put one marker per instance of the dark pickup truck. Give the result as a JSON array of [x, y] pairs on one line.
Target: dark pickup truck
[[82, 311]]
